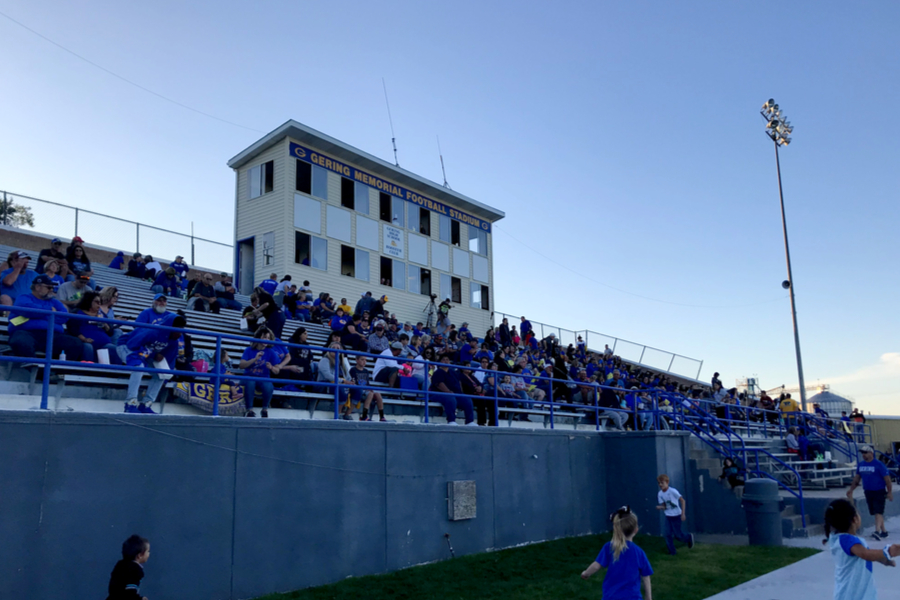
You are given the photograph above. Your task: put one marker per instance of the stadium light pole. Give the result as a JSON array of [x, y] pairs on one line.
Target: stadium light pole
[[779, 130]]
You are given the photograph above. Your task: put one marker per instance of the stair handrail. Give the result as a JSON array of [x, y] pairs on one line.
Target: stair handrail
[[758, 472]]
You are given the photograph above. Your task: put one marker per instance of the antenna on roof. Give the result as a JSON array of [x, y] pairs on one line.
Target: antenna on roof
[[441, 154], [391, 121]]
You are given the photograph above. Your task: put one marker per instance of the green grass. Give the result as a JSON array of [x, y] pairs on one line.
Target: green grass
[[553, 569]]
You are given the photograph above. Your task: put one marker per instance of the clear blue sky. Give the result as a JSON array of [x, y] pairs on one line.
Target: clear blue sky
[[622, 140]]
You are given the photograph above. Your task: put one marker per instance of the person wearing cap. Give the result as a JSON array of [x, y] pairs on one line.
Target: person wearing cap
[[17, 279], [118, 262], [53, 252], [203, 296], [167, 283], [445, 384], [157, 312], [136, 266], [71, 292], [153, 348], [76, 241], [378, 306], [378, 342], [181, 267], [79, 264], [225, 292], [28, 332], [877, 486], [387, 367]]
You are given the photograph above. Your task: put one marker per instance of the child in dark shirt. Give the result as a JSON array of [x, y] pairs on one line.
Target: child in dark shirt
[[125, 580], [360, 375]]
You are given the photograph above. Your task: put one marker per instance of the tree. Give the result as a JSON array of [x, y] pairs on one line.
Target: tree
[[15, 214]]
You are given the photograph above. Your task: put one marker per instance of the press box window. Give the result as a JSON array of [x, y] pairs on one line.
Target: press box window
[[262, 179], [348, 261], [456, 290], [384, 207], [477, 240], [348, 193], [304, 177], [454, 232], [312, 180], [310, 251], [354, 263], [387, 271], [481, 297], [424, 221]]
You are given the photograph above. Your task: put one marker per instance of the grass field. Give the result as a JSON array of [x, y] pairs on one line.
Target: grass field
[[552, 570]]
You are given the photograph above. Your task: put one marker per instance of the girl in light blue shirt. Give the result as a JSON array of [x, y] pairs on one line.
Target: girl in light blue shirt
[[853, 558]]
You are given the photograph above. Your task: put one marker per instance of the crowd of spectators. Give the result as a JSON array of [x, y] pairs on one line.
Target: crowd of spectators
[[508, 362]]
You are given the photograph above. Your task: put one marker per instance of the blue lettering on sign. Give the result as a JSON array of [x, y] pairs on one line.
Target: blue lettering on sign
[[382, 185]]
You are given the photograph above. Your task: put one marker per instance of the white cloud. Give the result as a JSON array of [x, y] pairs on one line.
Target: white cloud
[[875, 388], [888, 366]]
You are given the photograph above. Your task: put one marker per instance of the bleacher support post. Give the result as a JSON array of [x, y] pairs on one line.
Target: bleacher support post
[[48, 358], [218, 382], [497, 403], [427, 395]]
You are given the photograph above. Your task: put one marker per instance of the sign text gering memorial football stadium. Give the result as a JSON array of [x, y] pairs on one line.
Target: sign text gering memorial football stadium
[[313, 157]]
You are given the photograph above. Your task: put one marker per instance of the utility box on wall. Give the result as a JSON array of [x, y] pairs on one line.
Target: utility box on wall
[[461, 500]]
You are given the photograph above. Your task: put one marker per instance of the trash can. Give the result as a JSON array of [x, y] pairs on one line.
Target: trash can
[[763, 506]]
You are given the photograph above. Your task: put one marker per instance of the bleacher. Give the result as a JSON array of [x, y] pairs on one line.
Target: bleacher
[[82, 381]]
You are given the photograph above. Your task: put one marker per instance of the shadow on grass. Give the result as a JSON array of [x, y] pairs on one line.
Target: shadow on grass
[[551, 570]]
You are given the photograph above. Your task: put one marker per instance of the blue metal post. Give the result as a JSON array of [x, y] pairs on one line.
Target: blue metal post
[[427, 393], [496, 402], [551, 404], [48, 357], [337, 384], [218, 382]]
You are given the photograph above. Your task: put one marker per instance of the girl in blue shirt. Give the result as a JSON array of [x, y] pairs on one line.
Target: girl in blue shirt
[[260, 360], [627, 566], [853, 558]]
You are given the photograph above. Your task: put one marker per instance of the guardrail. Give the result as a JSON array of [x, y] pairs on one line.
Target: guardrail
[[58, 217], [648, 356]]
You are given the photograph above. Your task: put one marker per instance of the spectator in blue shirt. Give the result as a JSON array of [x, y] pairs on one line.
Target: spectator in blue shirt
[[181, 267], [146, 347], [446, 382], [28, 332], [270, 284], [167, 283], [16, 280], [260, 360], [157, 312], [118, 262], [876, 482]]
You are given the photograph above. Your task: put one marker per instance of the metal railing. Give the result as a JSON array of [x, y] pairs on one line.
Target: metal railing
[[633, 352], [61, 218], [656, 410]]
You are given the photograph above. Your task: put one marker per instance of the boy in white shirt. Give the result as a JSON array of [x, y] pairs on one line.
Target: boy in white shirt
[[671, 501]]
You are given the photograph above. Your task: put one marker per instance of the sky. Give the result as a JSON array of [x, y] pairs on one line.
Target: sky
[[622, 140]]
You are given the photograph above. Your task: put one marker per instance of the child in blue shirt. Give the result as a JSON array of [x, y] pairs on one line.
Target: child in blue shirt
[[853, 579], [260, 360], [628, 569]]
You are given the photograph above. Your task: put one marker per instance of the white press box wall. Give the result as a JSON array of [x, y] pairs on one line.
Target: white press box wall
[[273, 213]]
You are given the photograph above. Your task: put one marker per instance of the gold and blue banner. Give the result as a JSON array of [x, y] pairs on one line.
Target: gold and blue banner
[[382, 185]]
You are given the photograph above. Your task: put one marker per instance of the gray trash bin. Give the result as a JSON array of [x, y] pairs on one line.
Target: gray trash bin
[[763, 506]]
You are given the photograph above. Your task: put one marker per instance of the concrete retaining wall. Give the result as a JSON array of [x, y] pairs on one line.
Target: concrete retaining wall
[[240, 508]]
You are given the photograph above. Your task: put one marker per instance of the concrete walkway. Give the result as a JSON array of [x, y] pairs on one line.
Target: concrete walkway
[[814, 577]]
